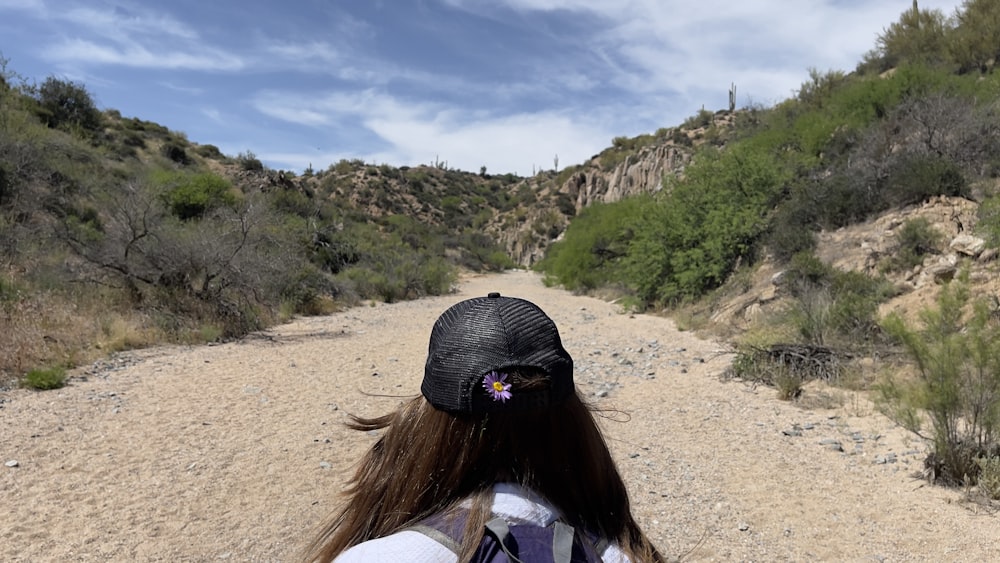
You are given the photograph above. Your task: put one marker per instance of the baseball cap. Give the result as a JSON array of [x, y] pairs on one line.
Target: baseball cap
[[476, 343]]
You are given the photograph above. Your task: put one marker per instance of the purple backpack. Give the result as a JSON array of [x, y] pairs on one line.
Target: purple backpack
[[517, 542]]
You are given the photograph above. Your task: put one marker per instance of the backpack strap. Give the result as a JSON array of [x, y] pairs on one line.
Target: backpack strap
[[437, 535], [497, 527], [562, 542], [563, 538], [602, 545]]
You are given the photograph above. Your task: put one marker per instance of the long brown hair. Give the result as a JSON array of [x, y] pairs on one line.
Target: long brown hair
[[428, 461]]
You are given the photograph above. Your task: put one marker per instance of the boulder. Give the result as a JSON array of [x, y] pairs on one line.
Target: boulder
[[967, 244]]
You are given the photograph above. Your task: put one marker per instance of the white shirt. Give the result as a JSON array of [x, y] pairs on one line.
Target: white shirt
[[510, 502]]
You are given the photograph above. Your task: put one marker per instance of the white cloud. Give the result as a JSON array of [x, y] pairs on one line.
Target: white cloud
[[192, 90], [766, 47], [88, 52], [213, 114], [515, 143], [413, 132], [24, 5], [122, 25], [306, 53]]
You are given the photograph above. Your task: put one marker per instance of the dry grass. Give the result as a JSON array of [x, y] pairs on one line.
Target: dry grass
[[47, 329]]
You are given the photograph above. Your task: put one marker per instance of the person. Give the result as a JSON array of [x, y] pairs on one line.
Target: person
[[498, 435]]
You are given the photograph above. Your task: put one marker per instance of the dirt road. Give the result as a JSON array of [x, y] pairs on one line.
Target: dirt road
[[237, 451]]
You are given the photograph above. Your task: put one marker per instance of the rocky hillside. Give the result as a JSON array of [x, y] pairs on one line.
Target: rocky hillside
[[630, 167], [523, 215], [867, 246]]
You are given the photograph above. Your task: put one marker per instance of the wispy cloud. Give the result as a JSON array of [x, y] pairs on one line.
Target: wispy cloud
[[139, 56], [502, 83], [307, 53], [213, 114], [121, 24], [23, 5], [414, 132], [136, 37]]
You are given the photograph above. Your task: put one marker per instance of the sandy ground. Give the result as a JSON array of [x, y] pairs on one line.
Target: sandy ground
[[237, 451]]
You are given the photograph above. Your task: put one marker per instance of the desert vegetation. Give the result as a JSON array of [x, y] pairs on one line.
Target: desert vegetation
[[118, 233], [918, 119]]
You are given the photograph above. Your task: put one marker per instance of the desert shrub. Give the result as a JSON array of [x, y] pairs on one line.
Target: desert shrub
[[397, 275], [701, 119], [130, 139], [382, 265], [565, 204], [293, 202], [191, 196], [248, 161], [333, 250], [989, 476], [308, 293], [955, 385], [479, 251], [755, 365], [590, 253], [209, 151], [700, 227], [68, 105], [793, 225], [916, 177], [915, 239], [833, 306], [227, 267], [44, 379], [973, 44], [920, 36], [988, 224], [820, 87], [175, 152]]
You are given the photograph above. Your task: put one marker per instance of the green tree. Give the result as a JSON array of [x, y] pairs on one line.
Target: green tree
[[190, 196], [64, 104], [593, 246], [705, 224], [957, 385], [974, 44], [919, 37]]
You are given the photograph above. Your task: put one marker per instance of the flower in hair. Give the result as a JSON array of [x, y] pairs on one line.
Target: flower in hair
[[496, 385]]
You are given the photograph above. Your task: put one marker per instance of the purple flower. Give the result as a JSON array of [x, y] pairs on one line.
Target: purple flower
[[496, 385]]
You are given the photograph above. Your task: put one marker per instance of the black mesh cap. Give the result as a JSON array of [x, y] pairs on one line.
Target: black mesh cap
[[493, 334]]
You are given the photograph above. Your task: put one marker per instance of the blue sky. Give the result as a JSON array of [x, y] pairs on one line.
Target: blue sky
[[506, 84]]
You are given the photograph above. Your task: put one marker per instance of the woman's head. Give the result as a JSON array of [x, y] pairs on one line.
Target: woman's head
[[498, 404], [477, 343]]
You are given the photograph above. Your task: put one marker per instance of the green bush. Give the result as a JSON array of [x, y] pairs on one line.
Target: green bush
[[175, 152], [955, 388], [702, 226], [793, 224], [988, 224], [192, 196], [917, 177], [248, 161], [703, 118], [973, 44], [594, 244], [833, 306], [920, 36], [989, 476], [209, 151], [755, 365], [67, 105], [44, 379], [915, 239]]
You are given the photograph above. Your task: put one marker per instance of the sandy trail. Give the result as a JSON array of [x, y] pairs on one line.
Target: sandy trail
[[237, 451]]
